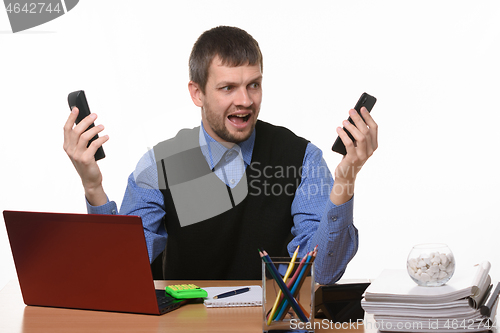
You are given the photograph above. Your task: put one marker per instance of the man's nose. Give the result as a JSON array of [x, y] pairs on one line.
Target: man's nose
[[243, 98]]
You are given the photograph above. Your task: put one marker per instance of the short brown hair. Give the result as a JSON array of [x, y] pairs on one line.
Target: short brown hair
[[234, 46]]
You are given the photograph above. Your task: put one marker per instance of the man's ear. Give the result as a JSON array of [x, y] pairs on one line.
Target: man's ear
[[195, 92]]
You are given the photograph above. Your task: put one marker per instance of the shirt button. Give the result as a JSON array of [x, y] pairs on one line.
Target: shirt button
[[113, 212], [330, 254], [232, 181], [334, 218]]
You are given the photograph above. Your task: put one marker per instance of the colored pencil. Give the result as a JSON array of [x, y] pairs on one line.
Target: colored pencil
[[298, 284], [289, 270], [288, 295], [290, 284]]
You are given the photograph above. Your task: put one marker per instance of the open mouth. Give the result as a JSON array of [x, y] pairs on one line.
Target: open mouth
[[239, 118]]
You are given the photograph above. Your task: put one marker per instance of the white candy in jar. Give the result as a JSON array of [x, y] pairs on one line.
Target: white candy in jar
[[431, 268]]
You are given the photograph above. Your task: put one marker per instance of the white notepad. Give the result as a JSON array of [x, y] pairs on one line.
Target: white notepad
[[253, 297]]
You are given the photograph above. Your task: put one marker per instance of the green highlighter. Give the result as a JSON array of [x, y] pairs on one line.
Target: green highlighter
[[183, 291]]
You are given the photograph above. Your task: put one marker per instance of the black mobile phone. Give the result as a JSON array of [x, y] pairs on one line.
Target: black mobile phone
[[368, 102], [78, 99]]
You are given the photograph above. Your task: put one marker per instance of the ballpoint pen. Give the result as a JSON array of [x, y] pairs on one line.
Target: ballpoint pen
[[232, 293]]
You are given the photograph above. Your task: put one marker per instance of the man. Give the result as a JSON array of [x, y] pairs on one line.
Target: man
[[210, 196]]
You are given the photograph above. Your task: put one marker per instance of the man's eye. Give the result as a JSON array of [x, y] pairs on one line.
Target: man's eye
[[255, 85], [226, 88]]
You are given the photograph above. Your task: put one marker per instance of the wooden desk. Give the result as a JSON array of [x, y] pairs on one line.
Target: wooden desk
[[16, 317]]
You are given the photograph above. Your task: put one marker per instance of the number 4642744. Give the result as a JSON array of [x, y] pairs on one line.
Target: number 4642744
[[32, 8]]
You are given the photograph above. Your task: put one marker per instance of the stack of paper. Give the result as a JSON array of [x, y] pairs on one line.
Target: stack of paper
[[399, 304]]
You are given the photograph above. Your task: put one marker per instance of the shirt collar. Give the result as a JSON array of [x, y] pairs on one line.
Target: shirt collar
[[213, 150]]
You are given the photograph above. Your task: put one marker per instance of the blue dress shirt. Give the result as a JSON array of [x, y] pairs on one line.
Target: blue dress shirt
[[317, 221]]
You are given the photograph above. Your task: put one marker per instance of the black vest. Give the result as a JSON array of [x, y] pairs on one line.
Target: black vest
[[221, 243]]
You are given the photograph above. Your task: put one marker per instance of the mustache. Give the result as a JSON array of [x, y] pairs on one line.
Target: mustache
[[252, 109]]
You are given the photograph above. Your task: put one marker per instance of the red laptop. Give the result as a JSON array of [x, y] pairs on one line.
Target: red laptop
[[80, 261]]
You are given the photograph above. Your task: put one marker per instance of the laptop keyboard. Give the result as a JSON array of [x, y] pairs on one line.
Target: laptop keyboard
[[164, 299], [167, 303]]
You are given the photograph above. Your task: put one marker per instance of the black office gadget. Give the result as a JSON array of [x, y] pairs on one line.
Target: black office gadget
[[78, 99], [340, 302], [490, 301], [368, 102]]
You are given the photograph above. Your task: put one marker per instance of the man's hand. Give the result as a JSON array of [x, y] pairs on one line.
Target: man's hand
[[365, 134], [75, 145]]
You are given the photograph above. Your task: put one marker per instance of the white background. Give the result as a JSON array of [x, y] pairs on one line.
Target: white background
[[433, 65]]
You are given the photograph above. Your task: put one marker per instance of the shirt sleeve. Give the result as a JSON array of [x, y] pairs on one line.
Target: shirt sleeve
[[142, 198], [108, 208], [317, 221]]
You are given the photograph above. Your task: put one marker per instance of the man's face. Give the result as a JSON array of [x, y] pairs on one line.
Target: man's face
[[231, 102]]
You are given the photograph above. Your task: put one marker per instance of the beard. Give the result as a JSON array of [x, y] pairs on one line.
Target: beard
[[218, 125]]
